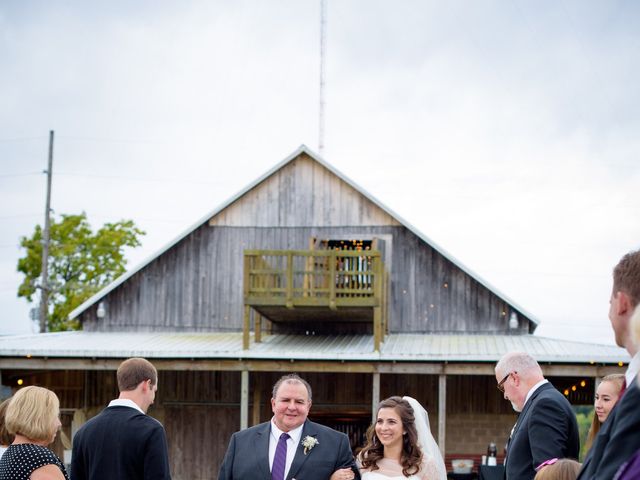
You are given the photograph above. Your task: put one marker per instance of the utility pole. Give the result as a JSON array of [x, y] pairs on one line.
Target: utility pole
[[44, 293]]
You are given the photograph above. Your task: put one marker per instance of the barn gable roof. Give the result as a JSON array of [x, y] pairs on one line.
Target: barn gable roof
[[303, 149]]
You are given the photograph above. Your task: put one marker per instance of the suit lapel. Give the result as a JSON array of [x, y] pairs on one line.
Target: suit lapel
[[525, 411], [299, 459], [261, 449], [522, 417]]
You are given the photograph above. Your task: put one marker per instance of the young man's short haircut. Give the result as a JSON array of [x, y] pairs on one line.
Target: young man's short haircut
[[626, 276], [133, 371]]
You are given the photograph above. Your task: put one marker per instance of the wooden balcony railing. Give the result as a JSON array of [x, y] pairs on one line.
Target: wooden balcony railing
[[314, 278]]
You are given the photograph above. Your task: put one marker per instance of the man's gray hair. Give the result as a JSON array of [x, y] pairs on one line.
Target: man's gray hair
[[291, 378], [520, 362]]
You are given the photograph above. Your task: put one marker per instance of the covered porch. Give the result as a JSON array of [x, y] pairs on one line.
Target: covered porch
[[209, 387]]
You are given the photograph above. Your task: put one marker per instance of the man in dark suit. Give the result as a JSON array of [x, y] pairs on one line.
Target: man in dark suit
[[289, 446], [619, 436], [546, 427], [122, 442]]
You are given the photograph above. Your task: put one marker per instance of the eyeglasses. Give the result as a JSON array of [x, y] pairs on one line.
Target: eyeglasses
[[501, 384]]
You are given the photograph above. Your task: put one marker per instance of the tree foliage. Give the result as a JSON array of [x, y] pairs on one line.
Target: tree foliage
[[584, 416], [80, 263]]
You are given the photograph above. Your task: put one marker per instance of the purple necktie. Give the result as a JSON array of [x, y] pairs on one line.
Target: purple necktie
[[280, 458]]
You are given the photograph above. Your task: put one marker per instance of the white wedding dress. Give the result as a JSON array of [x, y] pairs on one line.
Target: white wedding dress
[[391, 470]]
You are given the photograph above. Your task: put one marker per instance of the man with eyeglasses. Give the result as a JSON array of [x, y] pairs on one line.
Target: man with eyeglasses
[[546, 427]]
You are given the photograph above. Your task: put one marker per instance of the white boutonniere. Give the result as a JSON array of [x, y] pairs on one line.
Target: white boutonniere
[[308, 443]]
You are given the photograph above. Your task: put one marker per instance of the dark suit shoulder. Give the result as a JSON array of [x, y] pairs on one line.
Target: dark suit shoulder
[[259, 429], [549, 391]]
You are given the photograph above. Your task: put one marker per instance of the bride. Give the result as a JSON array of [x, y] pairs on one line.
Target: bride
[[400, 445]]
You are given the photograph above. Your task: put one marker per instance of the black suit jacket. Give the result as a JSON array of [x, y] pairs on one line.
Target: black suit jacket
[[546, 428], [617, 440], [247, 456], [120, 443]]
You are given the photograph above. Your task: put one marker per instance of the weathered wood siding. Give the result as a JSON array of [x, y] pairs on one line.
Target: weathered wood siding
[[303, 193], [197, 284]]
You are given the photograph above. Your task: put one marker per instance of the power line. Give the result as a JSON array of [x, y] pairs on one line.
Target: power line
[[136, 179], [23, 139], [110, 140], [12, 175]]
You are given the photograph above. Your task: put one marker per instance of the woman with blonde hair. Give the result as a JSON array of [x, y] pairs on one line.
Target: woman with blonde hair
[[558, 469], [33, 417], [6, 438], [607, 395]]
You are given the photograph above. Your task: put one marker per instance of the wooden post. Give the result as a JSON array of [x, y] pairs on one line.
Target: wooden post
[[247, 325], [375, 394], [256, 405], [378, 334], [44, 293], [247, 308], [289, 289], [442, 412], [257, 336], [332, 279], [244, 399]]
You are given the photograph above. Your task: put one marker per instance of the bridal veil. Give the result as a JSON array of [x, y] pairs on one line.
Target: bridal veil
[[426, 442]]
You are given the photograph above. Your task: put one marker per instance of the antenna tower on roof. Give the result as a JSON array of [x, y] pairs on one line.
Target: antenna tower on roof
[[323, 51]]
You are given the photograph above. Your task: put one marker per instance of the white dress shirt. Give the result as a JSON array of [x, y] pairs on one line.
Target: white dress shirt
[[125, 402], [292, 445], [533, 389], [633, 369]]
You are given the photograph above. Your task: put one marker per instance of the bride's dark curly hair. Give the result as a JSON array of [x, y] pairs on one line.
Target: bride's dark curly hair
[[373, 451]]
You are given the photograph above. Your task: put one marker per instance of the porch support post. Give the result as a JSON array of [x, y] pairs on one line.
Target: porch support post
[[256, 404], [244, 399], [375, 394], [246, 327], [442, 411], [257, 336]]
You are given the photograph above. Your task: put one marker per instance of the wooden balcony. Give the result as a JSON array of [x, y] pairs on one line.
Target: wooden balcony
[[321, 285]]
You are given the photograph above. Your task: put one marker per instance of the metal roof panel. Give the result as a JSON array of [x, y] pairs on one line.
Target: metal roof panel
[[396, 347]]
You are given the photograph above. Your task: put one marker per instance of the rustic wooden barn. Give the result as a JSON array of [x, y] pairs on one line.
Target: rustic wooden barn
[[302, 271]]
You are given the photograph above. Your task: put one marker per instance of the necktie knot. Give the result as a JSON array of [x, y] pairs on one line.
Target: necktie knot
[[280, 458]]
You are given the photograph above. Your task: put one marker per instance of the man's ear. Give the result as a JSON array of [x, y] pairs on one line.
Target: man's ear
[[622, 304], [146, 385]]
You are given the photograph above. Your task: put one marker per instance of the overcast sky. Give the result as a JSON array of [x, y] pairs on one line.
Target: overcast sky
[[505, 131]]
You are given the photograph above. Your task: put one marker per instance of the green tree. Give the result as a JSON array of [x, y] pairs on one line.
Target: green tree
[[81, 262], [584, 416]]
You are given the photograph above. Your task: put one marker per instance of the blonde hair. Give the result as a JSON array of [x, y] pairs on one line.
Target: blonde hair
[[5, 437], [32, 413], [563, 469], [616, 379]]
